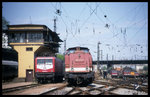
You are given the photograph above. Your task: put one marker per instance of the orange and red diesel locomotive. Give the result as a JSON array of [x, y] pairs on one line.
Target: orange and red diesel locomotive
[[78, 65]]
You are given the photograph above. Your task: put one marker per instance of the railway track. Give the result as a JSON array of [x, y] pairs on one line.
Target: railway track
[[7, 90], [93, 89], [96, 88], [101, 87]]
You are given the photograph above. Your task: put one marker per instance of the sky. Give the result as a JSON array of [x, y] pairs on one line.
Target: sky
[[120, 27]]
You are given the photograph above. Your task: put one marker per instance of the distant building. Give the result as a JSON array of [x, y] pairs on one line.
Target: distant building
[[30, 41]]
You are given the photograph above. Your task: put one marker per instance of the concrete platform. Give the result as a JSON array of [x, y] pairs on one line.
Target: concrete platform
[[11, 85]]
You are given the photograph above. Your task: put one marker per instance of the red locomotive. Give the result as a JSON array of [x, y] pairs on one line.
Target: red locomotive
[[48, 69], [78, 65], [114, 73]]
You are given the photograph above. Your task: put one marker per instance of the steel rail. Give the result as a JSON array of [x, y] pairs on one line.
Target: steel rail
[[19, 88]]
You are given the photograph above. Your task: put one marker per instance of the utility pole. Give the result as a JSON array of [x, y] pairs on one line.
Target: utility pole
[[101, 55], [107, 58], [55, 24], [64, 46], [112, 57], [98, 55], [30, 20]]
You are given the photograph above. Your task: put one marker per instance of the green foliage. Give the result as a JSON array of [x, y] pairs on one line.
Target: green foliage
[[104, 68], [60, 57], [4, 23]]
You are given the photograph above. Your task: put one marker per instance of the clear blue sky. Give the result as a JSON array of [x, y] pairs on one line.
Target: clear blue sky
[[84, 24]]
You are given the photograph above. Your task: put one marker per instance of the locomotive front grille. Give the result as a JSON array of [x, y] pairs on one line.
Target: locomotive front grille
[[44, 75]]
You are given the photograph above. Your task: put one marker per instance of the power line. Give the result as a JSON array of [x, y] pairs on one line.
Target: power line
[[137, 32], [93, 11], [127, 13]]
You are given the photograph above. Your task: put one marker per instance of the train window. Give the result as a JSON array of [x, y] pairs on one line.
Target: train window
[[48, 61], [70, 51], [86, 50], [114, 71], [40, 61]]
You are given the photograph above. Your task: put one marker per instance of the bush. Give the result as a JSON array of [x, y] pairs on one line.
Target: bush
[[60, 57]]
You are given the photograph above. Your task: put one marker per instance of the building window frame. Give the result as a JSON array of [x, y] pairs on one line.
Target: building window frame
[[29, 49]]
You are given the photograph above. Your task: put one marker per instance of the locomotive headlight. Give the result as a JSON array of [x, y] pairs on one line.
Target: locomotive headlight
[[86, 68], [72, 69]]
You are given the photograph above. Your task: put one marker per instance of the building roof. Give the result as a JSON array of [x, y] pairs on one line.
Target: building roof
[[23, 25]]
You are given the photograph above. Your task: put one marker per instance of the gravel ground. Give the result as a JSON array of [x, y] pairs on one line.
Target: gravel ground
[[106, 88], [45, 87], [62, 91], [123, 91], [95, 92]]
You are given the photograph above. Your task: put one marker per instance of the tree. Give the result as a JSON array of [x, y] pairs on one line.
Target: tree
[[60, 57], [4, 24], [4, 35]]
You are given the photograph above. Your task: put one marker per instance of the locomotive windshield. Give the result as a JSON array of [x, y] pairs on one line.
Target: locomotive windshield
[[85, 50], [48, 61], [40, 61], [70, 51], [73, 50], [44, 61]]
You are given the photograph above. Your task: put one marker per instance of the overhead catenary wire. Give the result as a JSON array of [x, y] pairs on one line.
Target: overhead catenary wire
[[127, 13], [93, 11], [79, 27], [137, 32], [67, 28]]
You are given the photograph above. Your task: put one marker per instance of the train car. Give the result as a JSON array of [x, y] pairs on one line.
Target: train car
[[129, 72], [48, 69], [114, 73], [78, 65], [9, 70]]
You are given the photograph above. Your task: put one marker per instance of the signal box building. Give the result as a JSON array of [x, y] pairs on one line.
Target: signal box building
[[30, 41]]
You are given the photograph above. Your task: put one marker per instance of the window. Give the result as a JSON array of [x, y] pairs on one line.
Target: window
[[50, 37], [71, 51], [30, 37], [44, 61], [48, 61], [17, 37], [29, 49], [40, 61], [85, 50], [34, 37], [22, 37]]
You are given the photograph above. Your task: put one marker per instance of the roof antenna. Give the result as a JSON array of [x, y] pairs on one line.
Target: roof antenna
[[30, 20]]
